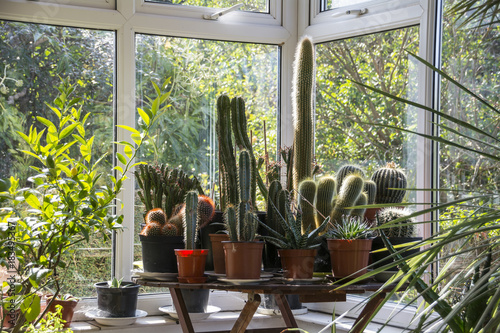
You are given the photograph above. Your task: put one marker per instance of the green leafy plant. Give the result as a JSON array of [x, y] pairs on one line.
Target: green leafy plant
[[52, 322], [71, 197], [115, 283], [349, 228], [291, 222]]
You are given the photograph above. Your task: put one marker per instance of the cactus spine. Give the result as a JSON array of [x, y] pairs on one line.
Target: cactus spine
[[241, 222], [169, 229], [371, 191], [391, 183], [302, 104], [206, 210], [403, 227], [191, 220], [346, 170], [362, 200], [324, 198], [352, 187], [307, 193]]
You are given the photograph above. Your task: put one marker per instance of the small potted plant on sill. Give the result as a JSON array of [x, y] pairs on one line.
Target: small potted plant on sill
[[243, 253], [117, 298], [163, 190], [297, 249], [68, 304], [349, 243]]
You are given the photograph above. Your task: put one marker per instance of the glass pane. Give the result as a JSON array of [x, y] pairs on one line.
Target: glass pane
[[261, 6], [470, 56], [332, 4], [33, 58], [202, 70]]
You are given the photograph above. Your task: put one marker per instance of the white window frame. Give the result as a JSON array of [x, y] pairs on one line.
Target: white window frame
[[286, 22]]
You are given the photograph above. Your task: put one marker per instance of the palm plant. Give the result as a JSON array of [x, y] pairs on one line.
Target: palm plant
[[466, 299]]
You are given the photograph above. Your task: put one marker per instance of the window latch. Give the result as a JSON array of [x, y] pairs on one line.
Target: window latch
[[357, 12], [218, 14]]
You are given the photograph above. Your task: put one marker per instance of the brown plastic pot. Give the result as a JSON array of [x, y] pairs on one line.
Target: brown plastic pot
[[67, 311], [243, 259], [349, 256], [297, 263], [218, 252], [191, 264]]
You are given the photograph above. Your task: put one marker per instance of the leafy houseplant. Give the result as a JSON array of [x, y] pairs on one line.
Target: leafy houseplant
[[297, 249], [68, 304], [117, 298], [69, 201], [349, 243], [243, 253], [53, 322]]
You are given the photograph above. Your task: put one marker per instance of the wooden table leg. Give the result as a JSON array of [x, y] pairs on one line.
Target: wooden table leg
[[286, 312], [247, 313], [182, 313], [366, 313]]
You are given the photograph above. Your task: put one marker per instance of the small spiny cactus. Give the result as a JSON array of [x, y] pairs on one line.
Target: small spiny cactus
[[177, 221], [324, 198], [206, 210], [352, 187], [403, 228], [391, 183], [152, 229], [371, 191], [345, 171], [362, 200], [169, 229], [156, 215], [307, 193]]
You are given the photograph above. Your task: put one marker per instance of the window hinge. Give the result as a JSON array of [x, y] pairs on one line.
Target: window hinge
[[218, 14]]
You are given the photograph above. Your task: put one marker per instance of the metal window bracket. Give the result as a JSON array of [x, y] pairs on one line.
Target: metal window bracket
[[218, 14], [352, 12]]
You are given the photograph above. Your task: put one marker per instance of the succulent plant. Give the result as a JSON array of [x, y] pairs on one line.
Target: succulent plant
[[350, 190], [302, 104], [156, 215], [349, 228], [371, 191], [191, 220], [305, 198], [391, 183], [403, 226], [152, 229], [170, 229], [294, 236], [324, 198], [362, 201], [240, 219], [345, 171], [206, 210]]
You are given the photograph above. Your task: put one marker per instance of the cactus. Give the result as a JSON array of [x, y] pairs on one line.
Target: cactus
[[307, 193], [191, 220], [391, 183], [169, 229], [346, 170], [152, 229], [156, 215], [352, 187], [404, 227], [178, 222], [272, 205], [206, 210], [371, 191], [302, 104], [362, 200], [324, 197], [241, 221]]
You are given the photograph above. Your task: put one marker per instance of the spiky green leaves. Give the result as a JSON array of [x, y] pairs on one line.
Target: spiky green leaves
[[349, 228]]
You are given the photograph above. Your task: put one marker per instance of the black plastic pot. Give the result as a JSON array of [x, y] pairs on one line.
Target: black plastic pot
[[268, 302], [196, 300], [117, 302], [383, 258], [322, 261], [158, 253]]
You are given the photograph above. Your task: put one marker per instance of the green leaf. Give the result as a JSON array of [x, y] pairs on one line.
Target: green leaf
[[144, 116], [121, 158], [137, 138], [128, 128], [128, 151], [46, 122], [32, 200], [31, 307], [67, 130]]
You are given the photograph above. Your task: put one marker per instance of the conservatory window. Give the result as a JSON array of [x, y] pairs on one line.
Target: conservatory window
[[34, 56], [259, 6]]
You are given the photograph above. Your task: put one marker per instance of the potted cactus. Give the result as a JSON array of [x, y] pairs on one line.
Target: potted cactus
[[162, 191], [117, 298], [297, 248], [349, 243], [242, 252], [400, 229]]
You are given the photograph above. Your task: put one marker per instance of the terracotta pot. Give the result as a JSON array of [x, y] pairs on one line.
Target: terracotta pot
[[218, 252], [191, 264], [297, 263], [349, 256], [67, 311], [243, 259], [371, 214]]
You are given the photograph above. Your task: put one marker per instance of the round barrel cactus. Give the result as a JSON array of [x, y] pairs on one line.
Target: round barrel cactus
[[391, 183]]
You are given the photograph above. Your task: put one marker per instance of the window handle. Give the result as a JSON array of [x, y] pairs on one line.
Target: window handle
[[351, 12], [218, 14]]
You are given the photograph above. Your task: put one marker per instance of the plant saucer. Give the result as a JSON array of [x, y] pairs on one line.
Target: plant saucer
[[100, 317], [243, 281], [194, 316]]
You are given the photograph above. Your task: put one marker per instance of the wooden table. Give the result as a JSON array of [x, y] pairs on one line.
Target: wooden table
[[320, 292]]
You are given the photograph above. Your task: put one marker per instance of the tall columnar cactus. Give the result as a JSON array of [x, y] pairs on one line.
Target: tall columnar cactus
[[241, 222], [306, 196], [272, 205], [352, 187], [191, 220], [371, 191], [403, 227], [362, 200], [302, 104], [346, 170], [324, 197], [391, 183]]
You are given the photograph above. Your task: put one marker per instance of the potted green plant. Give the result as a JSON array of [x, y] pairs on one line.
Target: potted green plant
[[52, 322], [297, 249], [349, 243], [243, 253], [68, 304], [117, 298], [68, 200]]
